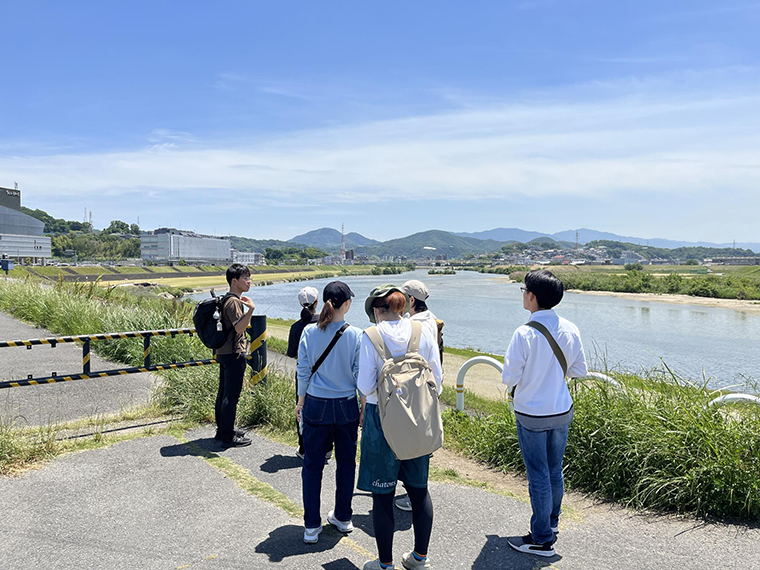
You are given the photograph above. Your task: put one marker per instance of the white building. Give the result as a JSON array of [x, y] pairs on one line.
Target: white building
[[248, 258], [21, 235], [169, 245]]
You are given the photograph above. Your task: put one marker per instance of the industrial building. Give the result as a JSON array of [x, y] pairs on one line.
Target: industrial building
[[21, 235], [169, 245]]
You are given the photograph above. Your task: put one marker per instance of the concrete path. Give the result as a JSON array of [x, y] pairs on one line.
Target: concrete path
[[158, 503], [63, 401]]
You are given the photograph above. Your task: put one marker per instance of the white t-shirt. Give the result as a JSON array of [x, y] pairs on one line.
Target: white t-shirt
[[395, 335]]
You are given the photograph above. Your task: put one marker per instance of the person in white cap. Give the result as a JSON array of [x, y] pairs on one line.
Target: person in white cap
[[418, 293], [308, 298]]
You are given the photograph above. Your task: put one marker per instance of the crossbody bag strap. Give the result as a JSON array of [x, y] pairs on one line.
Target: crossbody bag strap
[[330, 346], [373, 334], [553, 343]]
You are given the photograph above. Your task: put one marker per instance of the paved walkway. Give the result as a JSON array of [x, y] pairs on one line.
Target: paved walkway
[[156, 502]]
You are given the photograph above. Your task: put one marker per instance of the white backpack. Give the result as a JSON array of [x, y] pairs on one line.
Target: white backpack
[[407, 395]]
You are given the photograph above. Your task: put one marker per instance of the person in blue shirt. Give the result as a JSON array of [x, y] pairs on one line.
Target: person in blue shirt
[[328, 408]]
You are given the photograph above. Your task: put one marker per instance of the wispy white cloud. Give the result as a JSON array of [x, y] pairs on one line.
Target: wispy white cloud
[[638, 140]]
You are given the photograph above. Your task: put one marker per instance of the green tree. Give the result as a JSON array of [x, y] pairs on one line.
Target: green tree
[[117, 227]]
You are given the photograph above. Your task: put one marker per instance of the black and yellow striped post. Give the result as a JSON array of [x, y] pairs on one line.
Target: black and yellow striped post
[[146, 351], [257, 351], [86, 357]]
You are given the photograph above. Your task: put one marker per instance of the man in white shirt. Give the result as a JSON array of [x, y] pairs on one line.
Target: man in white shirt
[[540, 355]]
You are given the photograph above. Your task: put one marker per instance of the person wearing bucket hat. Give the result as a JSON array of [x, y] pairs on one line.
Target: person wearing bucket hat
[[380, 469], [308, 298], [328, 408]]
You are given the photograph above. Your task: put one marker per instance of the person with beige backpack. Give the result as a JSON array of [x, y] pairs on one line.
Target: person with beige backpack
[[400, 375]]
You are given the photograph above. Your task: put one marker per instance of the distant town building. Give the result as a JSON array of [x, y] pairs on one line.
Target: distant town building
[[248, 258], [736, 260], [169, 245], [21, 235]]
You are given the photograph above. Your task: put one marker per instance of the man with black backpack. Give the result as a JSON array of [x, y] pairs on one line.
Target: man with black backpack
[[232, 355], [541, 354]]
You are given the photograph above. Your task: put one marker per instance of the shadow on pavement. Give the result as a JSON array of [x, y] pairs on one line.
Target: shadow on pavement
[[280, 462], [364, 521], [288, 541], [498, 555], [340, 564], [205, 447]]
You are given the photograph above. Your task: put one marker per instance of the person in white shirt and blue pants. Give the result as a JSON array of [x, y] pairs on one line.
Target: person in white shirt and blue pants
[[540, 356]]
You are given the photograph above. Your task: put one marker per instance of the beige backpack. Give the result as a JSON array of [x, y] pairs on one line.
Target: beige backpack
[[407, 399]]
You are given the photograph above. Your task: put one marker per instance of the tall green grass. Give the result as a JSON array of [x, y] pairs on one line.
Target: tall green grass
[[653, 443]]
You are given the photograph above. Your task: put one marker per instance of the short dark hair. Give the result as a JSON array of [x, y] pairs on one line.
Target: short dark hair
[[419, 306], [236, 271], [546, 286]]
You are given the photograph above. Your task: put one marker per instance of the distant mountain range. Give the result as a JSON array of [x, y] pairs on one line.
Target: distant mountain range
[[433, 243], [586, 235]]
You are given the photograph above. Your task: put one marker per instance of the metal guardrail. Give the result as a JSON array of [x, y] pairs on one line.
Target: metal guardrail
[[257, 354], [500, 367]]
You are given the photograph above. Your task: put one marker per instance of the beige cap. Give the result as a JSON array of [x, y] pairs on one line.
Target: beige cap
[[416, 289], [307, 296]]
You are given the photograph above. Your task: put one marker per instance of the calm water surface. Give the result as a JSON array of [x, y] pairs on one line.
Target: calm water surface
[[482, 311]]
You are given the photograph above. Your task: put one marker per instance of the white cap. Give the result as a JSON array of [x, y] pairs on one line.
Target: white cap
[[307, 296], [416, 289]]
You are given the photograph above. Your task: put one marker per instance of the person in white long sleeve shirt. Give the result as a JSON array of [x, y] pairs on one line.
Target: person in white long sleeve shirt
[[542, 403], [380, 470]]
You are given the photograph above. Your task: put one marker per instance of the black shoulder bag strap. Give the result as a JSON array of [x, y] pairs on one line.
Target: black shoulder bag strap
[[553, 343], [330, 346]]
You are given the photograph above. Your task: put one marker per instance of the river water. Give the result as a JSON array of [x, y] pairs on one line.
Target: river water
[[482, 311]]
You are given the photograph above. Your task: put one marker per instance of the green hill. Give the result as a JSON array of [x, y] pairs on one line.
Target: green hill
[[432, 243]]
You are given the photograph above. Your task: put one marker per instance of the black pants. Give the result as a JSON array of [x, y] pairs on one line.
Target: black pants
[[231, 374], [383, 521]]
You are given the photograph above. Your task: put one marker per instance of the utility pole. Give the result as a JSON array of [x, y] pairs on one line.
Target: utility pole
[[342, 243]]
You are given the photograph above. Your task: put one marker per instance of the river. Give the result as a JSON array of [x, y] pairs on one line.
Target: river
[[482, 311]]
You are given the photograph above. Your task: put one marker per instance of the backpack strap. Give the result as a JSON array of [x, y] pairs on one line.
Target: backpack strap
[[377, 341], [414, 340], [330, 346], [553, 343]]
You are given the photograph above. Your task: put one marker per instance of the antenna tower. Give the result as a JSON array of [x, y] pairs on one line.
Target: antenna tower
[[84, 220], [577, 239], [91, 227], [342, 242]]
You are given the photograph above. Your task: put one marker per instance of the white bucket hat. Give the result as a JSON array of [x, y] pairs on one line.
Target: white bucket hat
[[307, 296]]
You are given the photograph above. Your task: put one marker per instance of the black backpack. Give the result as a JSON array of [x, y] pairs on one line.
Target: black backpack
[[206, 318]]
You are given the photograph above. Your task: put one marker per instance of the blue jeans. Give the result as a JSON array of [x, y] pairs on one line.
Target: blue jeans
[[542, 453], [327, 422]]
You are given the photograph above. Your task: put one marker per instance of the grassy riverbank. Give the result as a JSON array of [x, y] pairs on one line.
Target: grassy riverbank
[[651, 444], [733, 283]]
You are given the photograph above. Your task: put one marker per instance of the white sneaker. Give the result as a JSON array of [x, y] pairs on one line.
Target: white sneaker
[[402, 502], [409, 562], [375, 565], [311, 535], [344, 527]]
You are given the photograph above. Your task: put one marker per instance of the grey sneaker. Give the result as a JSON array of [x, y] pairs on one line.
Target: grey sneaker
[[409, 562], [311, 535], [402, 502], [526, 544], [375, 565], [344, 527]]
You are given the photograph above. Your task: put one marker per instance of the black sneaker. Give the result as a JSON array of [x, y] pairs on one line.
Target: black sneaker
[[240, 432], [237, 441], [526, 544]]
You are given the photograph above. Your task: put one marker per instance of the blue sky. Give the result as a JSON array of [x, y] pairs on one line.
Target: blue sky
[[270, 119]]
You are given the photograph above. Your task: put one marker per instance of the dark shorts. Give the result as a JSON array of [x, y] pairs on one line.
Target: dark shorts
[[379, 470]]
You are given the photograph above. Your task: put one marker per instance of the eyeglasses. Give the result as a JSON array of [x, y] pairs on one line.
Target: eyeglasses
[[524, 289]]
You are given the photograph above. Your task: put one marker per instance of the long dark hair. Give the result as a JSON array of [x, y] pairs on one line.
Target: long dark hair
[[327, 314]]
